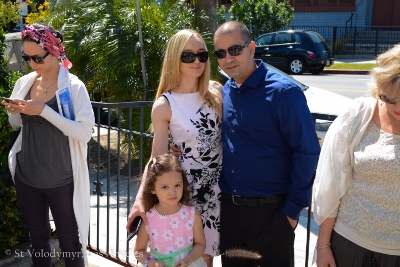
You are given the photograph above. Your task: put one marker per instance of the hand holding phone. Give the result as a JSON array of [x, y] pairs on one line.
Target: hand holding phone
[[9, 100], [134, 229]]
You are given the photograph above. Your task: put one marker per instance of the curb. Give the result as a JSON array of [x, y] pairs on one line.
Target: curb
[[356, 72]]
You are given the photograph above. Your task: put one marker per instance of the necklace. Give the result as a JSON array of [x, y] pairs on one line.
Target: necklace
[[45, 88]]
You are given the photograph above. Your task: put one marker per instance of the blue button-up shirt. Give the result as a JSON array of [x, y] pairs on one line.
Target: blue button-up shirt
[[269, 140]]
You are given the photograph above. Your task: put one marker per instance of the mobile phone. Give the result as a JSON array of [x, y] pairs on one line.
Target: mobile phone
[[9, 100], [134, 229]]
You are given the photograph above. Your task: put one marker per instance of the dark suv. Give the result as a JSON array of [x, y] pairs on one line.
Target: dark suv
[[294, 50]]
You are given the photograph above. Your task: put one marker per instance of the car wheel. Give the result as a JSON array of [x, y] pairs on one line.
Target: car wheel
[[317, 70], [297, 65]]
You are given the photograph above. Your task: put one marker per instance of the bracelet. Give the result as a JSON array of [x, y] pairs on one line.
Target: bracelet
[[146, 263], [324, 246]]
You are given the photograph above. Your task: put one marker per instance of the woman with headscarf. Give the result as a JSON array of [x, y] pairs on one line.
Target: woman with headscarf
[[52, 109]]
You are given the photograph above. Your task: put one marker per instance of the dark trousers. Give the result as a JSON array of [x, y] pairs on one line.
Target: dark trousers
[[348, 254], [264, 229], [34, 205]]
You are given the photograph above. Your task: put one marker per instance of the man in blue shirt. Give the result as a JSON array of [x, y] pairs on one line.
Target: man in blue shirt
[[270, 153]]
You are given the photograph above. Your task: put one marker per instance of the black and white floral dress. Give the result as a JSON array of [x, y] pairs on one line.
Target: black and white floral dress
[[196, 130]]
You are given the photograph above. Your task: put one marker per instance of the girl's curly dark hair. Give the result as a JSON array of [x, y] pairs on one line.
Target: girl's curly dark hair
[[157, 167]]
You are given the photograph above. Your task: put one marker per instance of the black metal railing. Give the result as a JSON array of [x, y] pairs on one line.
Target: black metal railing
[[356, 40], [119, 132], [113, 191]]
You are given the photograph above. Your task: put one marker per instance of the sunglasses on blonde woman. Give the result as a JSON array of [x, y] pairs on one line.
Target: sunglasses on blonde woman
[[190, 57], [36, 59], [388, 100]]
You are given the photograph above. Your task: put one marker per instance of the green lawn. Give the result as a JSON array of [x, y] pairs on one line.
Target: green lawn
[[351, 66]]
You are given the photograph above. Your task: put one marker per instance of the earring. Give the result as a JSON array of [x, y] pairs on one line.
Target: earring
[[382, 103]]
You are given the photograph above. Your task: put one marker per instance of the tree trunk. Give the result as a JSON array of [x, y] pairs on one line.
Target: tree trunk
[[210, 7]]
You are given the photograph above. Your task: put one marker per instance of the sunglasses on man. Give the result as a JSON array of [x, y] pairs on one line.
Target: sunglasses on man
[[36, 59], [388, 100], [234, 51], [190, 57]]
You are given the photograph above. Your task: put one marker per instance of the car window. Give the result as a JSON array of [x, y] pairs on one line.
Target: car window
[[315, 37], [297, 38], [282, 38], [264, 40]]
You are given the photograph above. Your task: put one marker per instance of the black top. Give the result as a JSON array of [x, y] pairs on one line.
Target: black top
[[44, 160]]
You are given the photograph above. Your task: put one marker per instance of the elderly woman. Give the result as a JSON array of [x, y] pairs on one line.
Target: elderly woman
[[357, 187], [52, 109]]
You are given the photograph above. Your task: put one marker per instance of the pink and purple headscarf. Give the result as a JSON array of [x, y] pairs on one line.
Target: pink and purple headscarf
[[50, 41]]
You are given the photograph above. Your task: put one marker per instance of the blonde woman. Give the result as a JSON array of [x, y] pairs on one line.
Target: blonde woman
[[357, 189], [188, 107]]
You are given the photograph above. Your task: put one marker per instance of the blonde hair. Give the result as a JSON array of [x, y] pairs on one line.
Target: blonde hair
[[170, 73], [387, 72]]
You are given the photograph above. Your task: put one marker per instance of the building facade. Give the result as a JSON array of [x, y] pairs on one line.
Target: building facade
[[356, 13]]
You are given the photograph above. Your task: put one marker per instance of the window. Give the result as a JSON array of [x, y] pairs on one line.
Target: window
[[328, 2], [264, 40], [323, 5], [346, 2], [302, 2], [297, 38], [282, 38]]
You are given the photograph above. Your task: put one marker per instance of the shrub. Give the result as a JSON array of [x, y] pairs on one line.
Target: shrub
[[12, 225]]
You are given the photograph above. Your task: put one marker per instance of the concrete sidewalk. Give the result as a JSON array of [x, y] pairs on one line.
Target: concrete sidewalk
[[362, 59]]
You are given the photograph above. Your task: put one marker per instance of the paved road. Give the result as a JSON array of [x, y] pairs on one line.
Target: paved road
[[352, 86]]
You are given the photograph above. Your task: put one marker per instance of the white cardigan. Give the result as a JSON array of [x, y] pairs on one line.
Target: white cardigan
[[335, 165], [79, 133]]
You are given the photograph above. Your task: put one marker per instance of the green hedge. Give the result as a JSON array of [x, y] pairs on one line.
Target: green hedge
[[12, 226]]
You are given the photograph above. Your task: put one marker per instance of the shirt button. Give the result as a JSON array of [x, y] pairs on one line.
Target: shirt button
[[232, 150], [233, 131], [233, 171], [234, 191]]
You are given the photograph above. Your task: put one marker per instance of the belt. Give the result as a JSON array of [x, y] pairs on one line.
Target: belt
[[255, 201]]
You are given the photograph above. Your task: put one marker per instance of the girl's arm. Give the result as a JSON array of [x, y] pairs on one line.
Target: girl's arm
[[199, 243], [140, 250], [324, 253], [160, 117]]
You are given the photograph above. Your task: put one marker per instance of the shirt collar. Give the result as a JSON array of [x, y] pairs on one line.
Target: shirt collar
[[253, 80]]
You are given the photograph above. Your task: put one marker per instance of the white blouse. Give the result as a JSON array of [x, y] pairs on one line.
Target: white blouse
[[369, 212], [337, 187]]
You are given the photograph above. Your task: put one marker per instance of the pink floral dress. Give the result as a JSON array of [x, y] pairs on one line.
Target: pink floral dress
[[171, 236]]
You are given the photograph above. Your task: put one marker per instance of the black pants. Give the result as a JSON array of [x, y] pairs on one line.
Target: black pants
[[264, 229], [34, 206], [348, 254]]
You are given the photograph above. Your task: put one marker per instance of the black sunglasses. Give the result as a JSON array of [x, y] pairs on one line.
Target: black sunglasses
[[388, 100], [234, 51], [190, 57], [38, 60]]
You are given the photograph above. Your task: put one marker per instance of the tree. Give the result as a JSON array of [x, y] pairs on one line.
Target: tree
[[210, 9], [102, 42], [9, 14], [262, 16]]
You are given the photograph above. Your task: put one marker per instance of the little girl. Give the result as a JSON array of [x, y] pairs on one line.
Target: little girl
[[174, 231]]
